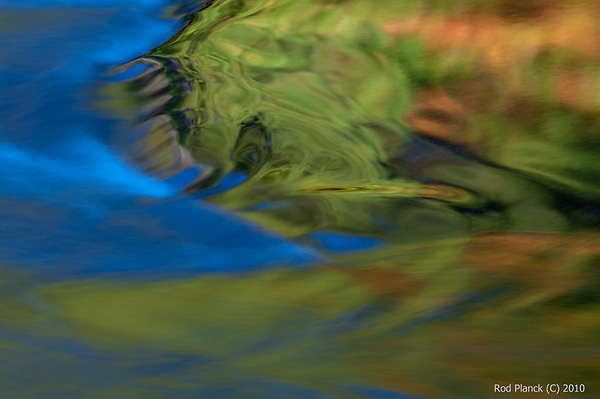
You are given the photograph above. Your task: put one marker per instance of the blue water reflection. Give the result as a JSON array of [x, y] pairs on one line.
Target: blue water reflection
[[70, 205]]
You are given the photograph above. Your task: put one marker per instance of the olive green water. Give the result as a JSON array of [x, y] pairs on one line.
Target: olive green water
[[444, 158]]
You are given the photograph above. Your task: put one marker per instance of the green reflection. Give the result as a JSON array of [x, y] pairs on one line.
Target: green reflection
[[320, 104], [441, 321]]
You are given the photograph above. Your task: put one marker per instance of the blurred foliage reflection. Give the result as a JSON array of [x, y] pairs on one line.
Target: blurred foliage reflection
[[380, 119], [438, 322]]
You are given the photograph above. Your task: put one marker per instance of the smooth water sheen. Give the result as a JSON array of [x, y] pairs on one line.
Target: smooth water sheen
[[300, 199]]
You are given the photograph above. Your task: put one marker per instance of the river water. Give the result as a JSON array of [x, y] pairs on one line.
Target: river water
[[299, 199]]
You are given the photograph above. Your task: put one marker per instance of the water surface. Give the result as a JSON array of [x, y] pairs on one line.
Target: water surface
[[298, 199]]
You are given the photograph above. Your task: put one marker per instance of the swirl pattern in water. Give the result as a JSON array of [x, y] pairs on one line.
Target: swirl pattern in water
[[411, 122]]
